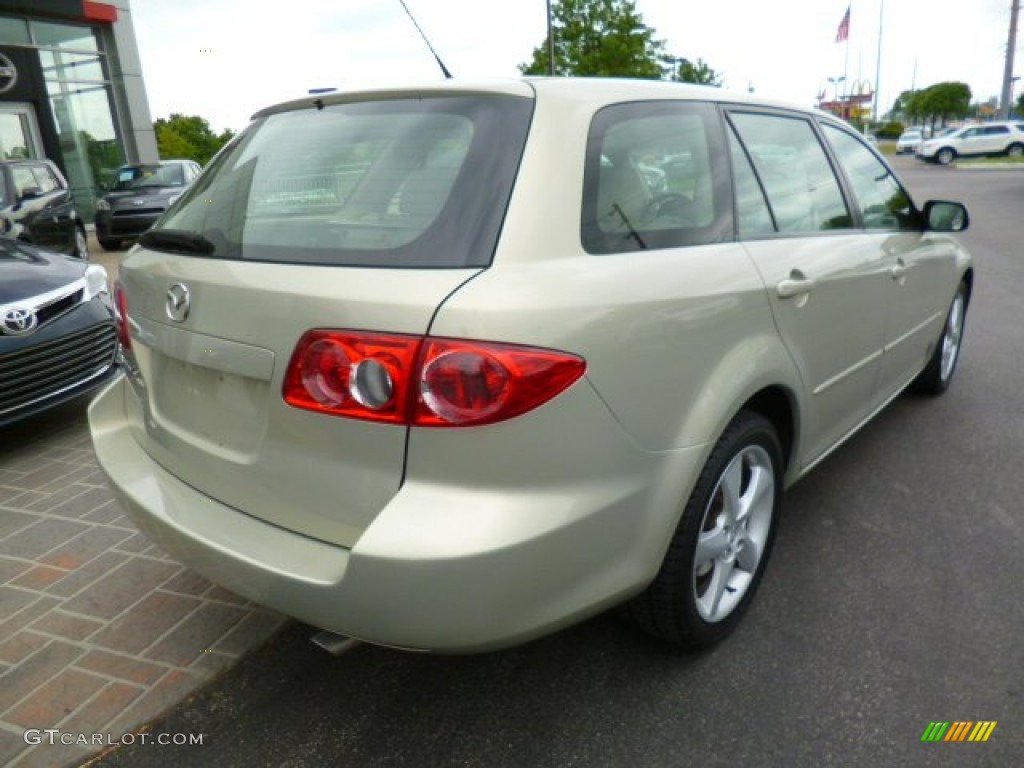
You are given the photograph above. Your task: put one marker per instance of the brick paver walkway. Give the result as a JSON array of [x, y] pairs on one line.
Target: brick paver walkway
[[99, 630]]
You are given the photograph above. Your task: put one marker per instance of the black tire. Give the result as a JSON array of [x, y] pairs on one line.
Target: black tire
[[80, 249], [945, 156], [680, 606], [107, 244], [1015, 150], [938, 374]]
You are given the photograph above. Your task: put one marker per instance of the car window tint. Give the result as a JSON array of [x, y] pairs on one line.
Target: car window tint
[[752, 214], [802, 190], [883, 203], [652, 180], [417, 182]]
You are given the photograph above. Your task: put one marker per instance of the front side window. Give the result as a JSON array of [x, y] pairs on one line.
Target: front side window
[[45, 179], [409, 182], [23, 179], [883, 203], [654, 178], [803, 192]]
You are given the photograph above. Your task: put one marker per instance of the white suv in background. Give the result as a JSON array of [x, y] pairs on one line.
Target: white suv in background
[[1004, 138]]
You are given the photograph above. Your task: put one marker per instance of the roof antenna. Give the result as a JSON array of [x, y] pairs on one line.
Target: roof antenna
[[444, 69]]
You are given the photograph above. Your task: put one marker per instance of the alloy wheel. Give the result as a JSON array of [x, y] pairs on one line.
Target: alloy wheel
[[734, 533]]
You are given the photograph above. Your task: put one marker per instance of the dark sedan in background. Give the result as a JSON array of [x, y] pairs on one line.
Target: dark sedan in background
[[137, 196], [57, 334], [36, 207]]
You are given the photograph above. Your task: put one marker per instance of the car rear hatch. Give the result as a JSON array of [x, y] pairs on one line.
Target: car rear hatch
[[350, 214]]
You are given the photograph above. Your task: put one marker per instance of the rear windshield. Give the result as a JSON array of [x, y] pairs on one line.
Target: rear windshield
[[402, 183]]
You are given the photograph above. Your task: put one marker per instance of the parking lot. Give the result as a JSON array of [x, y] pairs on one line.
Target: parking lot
[[99, 631], [890, 603]]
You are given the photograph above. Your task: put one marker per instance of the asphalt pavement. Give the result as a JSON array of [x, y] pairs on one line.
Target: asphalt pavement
[[891, 602]]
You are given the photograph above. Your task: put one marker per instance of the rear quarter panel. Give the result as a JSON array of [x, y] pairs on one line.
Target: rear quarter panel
[[675, 341]]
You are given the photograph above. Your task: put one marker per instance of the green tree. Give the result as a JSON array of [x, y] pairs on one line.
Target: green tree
[[939, 103], [188, 136], [600, 38], [699, 72], [899, 107]]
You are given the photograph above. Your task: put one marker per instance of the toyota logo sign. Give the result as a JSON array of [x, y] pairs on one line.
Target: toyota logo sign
[[18, 321], [8, 74]]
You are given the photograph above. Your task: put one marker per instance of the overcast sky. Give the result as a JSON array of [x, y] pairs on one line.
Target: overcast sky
[[224, 59]]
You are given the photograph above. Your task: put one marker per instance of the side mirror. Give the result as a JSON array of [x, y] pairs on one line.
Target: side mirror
[[29, 193], [103, 186], [944, 216]]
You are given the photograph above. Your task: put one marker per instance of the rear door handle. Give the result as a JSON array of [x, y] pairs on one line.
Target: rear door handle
[[793, 286]]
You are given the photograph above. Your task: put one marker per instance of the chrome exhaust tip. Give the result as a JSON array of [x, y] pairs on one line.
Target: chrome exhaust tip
[[334, 643]]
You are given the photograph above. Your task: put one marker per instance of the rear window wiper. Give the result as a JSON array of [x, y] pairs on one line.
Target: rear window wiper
[[177, 240]]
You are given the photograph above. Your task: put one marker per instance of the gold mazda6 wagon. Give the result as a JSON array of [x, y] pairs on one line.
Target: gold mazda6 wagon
[[451, 367]]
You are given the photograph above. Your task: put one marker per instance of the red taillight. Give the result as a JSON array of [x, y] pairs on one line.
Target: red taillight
[[121, 315], [471, 382], [423, 382], [352, 373]]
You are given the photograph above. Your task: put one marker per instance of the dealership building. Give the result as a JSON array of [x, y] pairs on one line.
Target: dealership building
[[71, 90]]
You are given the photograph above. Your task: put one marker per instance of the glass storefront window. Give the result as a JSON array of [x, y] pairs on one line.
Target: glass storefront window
[[88, 142], [70, 36], [65, 65], [13, 31]]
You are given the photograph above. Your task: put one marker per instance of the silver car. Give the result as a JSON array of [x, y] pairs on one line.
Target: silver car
[[441, 368]]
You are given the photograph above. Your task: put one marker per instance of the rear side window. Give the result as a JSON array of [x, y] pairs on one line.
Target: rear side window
[[399, 183], [655, 178], [753, 217], [803, 192]]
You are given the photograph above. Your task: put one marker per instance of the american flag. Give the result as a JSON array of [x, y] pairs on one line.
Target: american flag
[[843, 33]]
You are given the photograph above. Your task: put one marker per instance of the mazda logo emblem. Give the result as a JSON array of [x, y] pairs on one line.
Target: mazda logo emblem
[[17, 321], [178, 302]]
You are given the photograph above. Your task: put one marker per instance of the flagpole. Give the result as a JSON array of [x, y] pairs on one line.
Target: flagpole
[[878, 61], [844, 107]]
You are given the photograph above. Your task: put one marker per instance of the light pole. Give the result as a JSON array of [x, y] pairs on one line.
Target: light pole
[[835, 82]]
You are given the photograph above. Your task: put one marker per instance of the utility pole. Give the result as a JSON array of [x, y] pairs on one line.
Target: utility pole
[[1011, 43]]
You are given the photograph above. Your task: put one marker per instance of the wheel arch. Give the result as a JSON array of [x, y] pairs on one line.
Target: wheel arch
[[968, 281], [778, 405]]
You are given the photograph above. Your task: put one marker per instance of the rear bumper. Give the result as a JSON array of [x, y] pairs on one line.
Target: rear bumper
[[448, 568]]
